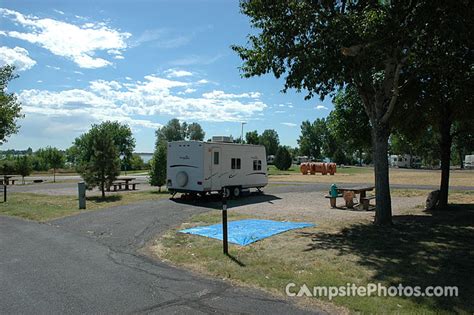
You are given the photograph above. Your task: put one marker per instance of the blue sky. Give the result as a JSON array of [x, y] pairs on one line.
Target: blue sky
[[142, 63]]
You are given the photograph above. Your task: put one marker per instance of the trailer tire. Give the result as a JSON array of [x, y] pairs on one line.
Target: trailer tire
[[236, 191], [226, 191]]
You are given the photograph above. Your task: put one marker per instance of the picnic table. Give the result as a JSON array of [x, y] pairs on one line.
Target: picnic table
[[125, 181], [349, 192], [354, 190], [6, 180]]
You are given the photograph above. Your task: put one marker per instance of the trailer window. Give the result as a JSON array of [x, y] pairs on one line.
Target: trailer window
[[257, 165], [235, 164], [216, 158]]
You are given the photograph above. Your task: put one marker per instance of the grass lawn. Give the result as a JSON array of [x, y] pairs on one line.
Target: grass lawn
[[46, 207], [421, 249]]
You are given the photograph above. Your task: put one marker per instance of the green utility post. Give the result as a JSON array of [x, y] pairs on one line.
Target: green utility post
[[82, 195]]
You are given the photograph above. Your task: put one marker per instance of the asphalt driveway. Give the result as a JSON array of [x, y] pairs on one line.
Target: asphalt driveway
[[89, 264]]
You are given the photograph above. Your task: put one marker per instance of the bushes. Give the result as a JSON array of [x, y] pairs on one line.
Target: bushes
[[282, 158]]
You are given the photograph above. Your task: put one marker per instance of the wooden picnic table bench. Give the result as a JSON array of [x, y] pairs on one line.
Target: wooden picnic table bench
[[126, 182], [7, 180], [349, 192]]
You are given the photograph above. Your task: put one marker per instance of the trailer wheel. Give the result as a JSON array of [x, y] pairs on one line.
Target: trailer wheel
[[226, 192], [236, 192]]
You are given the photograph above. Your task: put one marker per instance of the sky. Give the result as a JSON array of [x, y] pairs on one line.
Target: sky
[[141, 63]]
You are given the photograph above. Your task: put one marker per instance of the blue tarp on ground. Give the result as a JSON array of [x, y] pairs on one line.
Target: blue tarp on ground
[[244, 232]]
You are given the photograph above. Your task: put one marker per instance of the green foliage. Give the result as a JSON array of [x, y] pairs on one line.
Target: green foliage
[[269, 139], [282, 159], [195, 132], [174, 130], [251, 137], [136, 163], [312, 138], [23, 166], [54, 159], [158, 166], [98, 160], [349, 127], [10, 107], [7, 167]]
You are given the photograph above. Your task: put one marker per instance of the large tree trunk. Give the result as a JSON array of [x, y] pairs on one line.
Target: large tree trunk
[[383, 208], [102, 188], [445, 147]]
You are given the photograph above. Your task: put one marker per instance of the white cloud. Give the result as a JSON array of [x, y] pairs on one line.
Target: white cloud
[[17, 56], [321, 107], [77, 43], [174, 73], [59, 11], [222, 95], [53, 67], [187, 91], [154, 96], [289, 124]]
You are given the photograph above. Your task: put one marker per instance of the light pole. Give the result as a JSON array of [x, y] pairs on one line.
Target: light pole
[[242, 133]]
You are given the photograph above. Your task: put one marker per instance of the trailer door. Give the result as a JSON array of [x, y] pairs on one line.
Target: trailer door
[[216, 169]]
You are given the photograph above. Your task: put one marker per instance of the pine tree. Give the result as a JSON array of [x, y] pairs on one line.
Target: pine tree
[[282, 159]]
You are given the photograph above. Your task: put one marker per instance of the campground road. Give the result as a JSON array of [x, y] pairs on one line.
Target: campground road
[[90, 263]]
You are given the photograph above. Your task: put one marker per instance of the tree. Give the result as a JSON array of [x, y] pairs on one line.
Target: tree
[[332, 44], [282, 158], [123, 139], [158, 166], [195, 132], [312, 138], [349, 125], [172, 131], [55, 159], [445, 65], [23, 166], [251, 137], [103, 164], [136, 163], [10, 107], [269, 139]]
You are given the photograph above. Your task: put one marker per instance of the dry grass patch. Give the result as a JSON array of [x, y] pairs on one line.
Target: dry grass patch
[[421, 249], [352, 175]]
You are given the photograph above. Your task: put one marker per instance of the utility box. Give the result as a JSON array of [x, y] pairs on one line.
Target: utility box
[[81, 187]]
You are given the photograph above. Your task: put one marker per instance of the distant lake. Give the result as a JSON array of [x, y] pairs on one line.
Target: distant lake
[[145, 156]]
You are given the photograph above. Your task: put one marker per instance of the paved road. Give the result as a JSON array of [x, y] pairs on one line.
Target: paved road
[[89, 264]]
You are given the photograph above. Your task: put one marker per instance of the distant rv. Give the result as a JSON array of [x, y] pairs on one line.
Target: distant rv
[[469, 161], [300, 159], [405, 161]]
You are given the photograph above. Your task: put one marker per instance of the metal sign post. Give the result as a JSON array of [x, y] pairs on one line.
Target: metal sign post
[[4, 192], [225, 244]]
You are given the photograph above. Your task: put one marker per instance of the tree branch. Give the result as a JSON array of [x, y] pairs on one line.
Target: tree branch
[[394, 98]]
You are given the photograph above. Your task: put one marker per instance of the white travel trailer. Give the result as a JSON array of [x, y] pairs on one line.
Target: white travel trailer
[[469, 161], [201, 167], [405, 161]]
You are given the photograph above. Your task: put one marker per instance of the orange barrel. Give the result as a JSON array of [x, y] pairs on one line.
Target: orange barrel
[[303, 168], [313, 168], [324, 168], [331, 168]]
